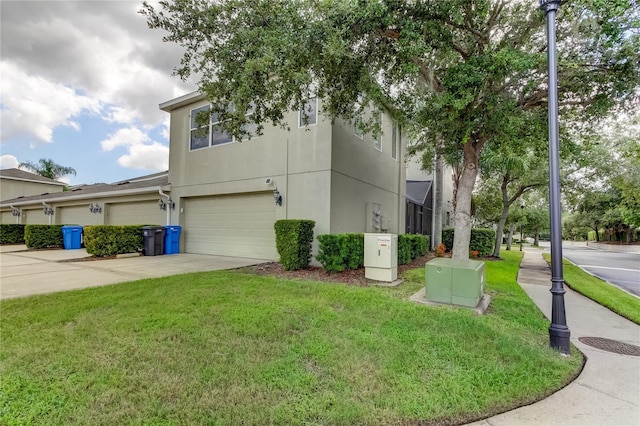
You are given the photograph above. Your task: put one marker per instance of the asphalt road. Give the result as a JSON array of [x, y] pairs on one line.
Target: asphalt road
[[619, 269]]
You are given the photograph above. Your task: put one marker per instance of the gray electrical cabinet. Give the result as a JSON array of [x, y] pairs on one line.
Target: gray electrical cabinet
[[381, 257], [455, 281]]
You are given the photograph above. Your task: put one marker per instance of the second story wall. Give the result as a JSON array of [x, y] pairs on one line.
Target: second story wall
[[274, 153]]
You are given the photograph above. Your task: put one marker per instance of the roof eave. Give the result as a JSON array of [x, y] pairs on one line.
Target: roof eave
[[181, 101]]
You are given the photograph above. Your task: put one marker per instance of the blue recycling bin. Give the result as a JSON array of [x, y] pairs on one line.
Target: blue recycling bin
[[172, 239], [72, 237]]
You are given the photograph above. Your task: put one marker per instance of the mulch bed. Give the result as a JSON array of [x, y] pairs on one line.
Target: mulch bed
[[354, 277]]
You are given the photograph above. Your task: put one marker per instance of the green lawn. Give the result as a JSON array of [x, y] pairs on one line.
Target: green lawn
[[231, 348], [619, 301]]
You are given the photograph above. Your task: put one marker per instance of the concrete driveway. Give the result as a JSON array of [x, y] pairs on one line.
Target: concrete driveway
[[25, 273]]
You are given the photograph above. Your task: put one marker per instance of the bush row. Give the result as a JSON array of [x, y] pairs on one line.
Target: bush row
[[411, 246], [293, 242], [108, 240], [11, 233], [43, 236], [338, 252], [482, 240]]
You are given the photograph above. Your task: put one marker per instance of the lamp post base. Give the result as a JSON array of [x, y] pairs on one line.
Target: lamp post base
[[559, 338]]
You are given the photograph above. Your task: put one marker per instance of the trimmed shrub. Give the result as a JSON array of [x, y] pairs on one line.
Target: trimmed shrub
[[43, 236], [355, 251], [338, 252], [405, 248], [293, 242], [332, 252], [482, 240], [12, 233], [109, 240]]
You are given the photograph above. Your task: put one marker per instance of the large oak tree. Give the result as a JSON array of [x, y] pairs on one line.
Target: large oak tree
[[467, 73]]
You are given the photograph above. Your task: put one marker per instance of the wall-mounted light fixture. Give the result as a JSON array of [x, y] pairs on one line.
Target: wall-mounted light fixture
[[277, 197], [163, 204], [48, 210], [15, 212], [95, 208]]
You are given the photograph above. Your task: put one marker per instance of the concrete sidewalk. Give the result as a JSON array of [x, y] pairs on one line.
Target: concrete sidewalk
[[25, 273], [607, 392]]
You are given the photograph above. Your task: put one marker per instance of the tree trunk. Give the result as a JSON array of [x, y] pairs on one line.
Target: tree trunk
[[462, 234], [437, 223], [502, 221], [510, 237], [536, 238]]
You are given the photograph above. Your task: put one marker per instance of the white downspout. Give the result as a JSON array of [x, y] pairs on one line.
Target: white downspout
[[168, 197], [51, 207], [19, 217]]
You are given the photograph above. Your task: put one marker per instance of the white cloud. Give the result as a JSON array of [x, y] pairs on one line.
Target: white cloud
[[97, 57], [152, 157], [8, 162], [125, 137], [143, 153], [39, 106]]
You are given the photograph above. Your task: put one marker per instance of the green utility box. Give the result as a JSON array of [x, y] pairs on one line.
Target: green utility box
[[454, 281]]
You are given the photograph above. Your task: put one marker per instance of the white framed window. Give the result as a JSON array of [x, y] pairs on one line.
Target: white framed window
[[308, 112], [357, 128], [212, 134], [395, 139], [377, 142]]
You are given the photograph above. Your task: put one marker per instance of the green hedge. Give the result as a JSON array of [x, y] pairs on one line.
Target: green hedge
[[482, 240], [338, 252], [12, 233], [293, 242], [43, 236], [108, 240]]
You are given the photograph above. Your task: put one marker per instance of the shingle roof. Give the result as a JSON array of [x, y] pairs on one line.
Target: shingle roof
[[22, 175], [150, 182], [417, 191]]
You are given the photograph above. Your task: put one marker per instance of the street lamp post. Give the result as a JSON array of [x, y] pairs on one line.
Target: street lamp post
[[558, 331], [521, 209]]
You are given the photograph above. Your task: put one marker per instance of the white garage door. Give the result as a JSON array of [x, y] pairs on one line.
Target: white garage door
[[8, 217], [231, 225], [138, 213], [78, 215], [36, 217]]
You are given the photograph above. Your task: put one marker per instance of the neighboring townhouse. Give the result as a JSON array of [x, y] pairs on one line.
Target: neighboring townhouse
[[420, 190], [129, 202], [16, 183], [229, 193]]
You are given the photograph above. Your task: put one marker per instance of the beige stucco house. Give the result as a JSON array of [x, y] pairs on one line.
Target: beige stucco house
[[129, 202], [15, 183], [225, 190]]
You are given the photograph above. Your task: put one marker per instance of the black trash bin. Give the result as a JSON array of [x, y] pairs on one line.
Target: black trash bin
[[153, 240]]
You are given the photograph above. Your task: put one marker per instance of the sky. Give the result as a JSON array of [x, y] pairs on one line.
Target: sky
[[80, 83]]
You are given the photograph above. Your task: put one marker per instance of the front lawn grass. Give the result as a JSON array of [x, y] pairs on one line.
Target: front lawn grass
[[235, 348], [607, 295]]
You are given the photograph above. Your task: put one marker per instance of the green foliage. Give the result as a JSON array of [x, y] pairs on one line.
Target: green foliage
[[482, 240], [11, 233], [411, 246], [43, 236], [108, 240], [355, 251], [338, 252], [293, 241], [405, 249], [48, 168]]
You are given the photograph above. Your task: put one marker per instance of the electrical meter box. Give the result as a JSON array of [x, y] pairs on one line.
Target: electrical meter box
[[381, 257], [455, 281]]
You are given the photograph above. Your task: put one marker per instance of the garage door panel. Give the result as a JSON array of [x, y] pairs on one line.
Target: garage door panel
[[231, 225], [136, 213], [78, 215]]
